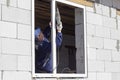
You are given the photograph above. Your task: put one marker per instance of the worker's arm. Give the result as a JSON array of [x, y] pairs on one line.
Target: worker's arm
[[59, 38]]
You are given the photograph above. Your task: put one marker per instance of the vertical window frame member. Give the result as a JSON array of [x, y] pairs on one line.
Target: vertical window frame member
[[55, 74]]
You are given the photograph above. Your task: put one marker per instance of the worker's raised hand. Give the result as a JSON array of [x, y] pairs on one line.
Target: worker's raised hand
[[59, 27]]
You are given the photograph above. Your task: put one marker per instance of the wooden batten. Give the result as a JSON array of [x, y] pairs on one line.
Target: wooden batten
[[83, 2], [118, 12]]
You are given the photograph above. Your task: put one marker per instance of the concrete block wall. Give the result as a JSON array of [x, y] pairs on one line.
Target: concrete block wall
[[15, 40], [103, 33]]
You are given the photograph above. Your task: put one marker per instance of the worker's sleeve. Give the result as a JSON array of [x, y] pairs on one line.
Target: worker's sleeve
[[47, 32], [59, 39]]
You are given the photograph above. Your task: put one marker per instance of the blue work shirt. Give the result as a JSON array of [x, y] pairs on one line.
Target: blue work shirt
[[44, 61]]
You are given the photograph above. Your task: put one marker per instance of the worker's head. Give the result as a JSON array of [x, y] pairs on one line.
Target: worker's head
[[39, 35]]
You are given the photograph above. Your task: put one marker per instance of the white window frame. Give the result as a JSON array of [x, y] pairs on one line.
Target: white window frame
[[55, 74]]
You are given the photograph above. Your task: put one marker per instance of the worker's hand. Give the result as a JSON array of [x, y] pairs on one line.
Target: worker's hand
[[59, 27]]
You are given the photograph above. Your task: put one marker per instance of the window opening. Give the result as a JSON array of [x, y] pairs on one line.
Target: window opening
[[69, 60]]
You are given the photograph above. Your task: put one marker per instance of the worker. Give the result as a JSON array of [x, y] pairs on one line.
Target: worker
[[43, 55]]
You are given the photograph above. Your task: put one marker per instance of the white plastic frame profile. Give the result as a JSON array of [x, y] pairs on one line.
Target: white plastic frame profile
[[55, 74]]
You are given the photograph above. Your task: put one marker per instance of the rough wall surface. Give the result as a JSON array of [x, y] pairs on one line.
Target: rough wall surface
[[15, 40], [103, 41]]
